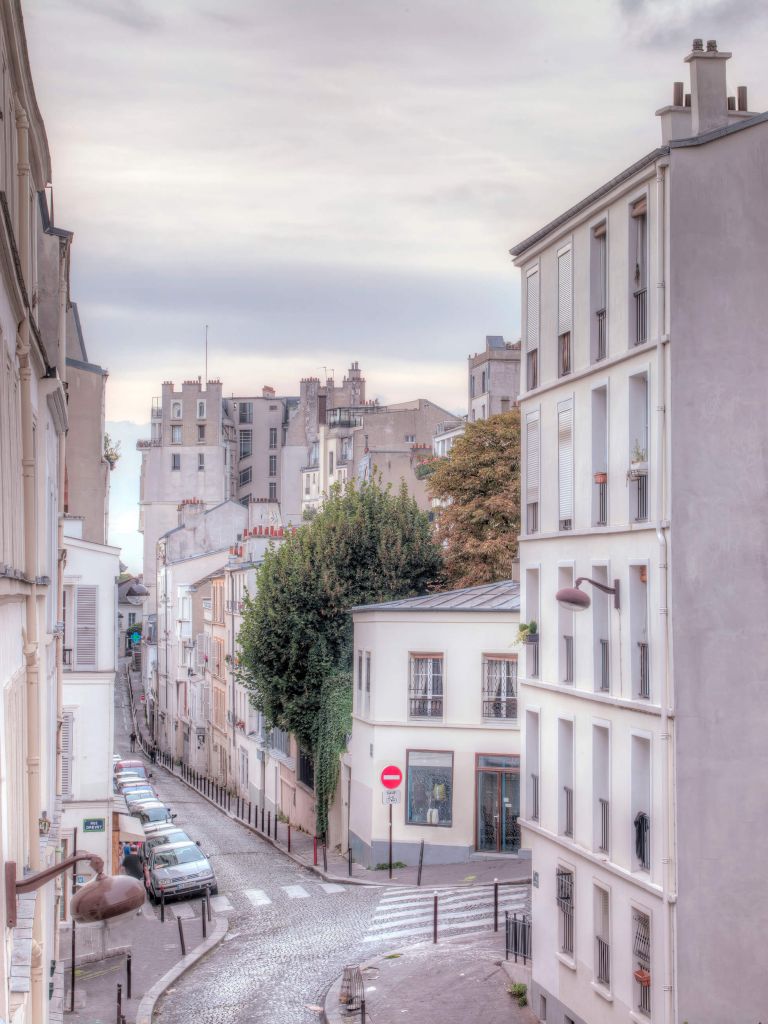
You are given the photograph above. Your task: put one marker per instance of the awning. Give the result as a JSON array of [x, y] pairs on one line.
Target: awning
[[130, 830]]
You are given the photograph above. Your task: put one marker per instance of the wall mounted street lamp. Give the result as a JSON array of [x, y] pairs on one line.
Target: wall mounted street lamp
[[106, 896], [575, 600]]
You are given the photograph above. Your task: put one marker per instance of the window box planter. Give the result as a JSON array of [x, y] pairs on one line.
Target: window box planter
[[531, 638], [601, 478], [637, 469], [643, 977]]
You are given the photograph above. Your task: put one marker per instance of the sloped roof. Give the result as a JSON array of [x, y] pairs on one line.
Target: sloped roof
[[489, 597]]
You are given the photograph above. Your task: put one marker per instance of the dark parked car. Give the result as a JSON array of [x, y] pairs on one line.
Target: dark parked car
[[179, 869], [153, 812]]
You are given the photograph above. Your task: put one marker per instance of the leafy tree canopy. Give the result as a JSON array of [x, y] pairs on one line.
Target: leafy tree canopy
[[479, 483], [364, 545]]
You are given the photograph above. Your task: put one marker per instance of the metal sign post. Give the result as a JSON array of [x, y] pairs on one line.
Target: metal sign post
[[391, 779]]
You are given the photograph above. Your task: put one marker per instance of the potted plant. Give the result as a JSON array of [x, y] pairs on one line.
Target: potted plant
[[643, 976], [601, 478], [528, 633]]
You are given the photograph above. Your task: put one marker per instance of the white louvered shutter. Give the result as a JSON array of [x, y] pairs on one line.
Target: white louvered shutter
[[564, 292], [565, 460], [532, 311], [200, 651], [86, 607], [67, 725], [532, 458]]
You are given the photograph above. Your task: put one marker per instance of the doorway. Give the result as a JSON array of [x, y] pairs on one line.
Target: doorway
[[498, 803]]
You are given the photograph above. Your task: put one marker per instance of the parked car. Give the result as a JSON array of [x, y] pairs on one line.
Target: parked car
[[126, 778], [153, 812], [156, 828], [136, 800], [131, 764], [179, 869], [173, 835]]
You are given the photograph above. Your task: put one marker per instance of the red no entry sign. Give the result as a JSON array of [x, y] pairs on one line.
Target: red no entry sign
[[391, 777]]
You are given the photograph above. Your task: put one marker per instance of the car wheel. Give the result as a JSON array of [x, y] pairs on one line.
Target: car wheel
[[214, 890], [152, 897]]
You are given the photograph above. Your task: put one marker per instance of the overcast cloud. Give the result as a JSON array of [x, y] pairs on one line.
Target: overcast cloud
[[327, 180]]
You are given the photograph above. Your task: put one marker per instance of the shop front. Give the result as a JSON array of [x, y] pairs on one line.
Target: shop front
[[497, 803]]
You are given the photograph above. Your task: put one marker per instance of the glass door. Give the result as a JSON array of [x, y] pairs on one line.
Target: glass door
[[488, 811], [510, 811], [498, 803]]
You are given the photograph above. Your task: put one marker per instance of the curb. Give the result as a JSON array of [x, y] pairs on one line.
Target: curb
[[149, 1000]]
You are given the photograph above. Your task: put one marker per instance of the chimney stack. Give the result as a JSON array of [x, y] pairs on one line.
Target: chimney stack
[[709, 94]]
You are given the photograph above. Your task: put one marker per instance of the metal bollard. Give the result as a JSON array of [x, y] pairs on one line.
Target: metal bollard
[[506, 935], [229, 803], [421, 862], [325, 857], [204, 916], [249, 812], [119, 1003], [495, 904], [262, 819], [162, 906], [181, 937], [289, 837], [269, 823], [128, 966], [208, 902], [349, 860], [362, 1009], [434, 921], [314, 850]]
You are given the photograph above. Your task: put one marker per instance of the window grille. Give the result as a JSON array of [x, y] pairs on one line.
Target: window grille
[[500, 688], [565, 903], [425, 690]]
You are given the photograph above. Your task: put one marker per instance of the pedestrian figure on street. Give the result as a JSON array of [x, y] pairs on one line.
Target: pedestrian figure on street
[[153, 754], [133, 742], [132, 865]]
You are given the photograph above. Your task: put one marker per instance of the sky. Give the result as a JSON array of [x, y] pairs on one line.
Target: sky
[[320, 181]]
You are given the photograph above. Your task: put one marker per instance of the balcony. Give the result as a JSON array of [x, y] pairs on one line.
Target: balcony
[[603, 959], [532, 656], [503, 707], [568, 823], [425, 707], [602, 344], [605, 663], [605, 825], [564, 354], [641, 316], [534, 812], [644, 687], [601, 510], [567, 659]]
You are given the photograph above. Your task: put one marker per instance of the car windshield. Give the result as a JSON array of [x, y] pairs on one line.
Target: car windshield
[[170, 858], [167, 837], [154, 814]]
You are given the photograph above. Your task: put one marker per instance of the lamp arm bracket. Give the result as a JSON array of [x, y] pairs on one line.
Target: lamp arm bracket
[[602, 586], [29, 883]]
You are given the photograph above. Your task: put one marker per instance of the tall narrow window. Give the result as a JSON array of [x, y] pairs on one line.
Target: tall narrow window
[[532, 329], [532, 472], [273, 492], [201, 409], [600, 457], [200, 462], [565, 904], [638, 240], [599, 292], [367, 684], [425, 688], [201, 432], [246, 412], [86, 610], [273, 465], [176, 435], [175, 461], [602, 937], [641, 950], [639, 442], [532, 763], [67, 731], [600, 788], [246, 443], [273, 437], [565, 776], [359, 682], [565, 462], [564, 312], [245, 476], [499, 687]]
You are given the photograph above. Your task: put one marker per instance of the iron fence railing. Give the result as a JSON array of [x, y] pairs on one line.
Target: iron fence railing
[[603, 961], [602, 503], [566, 907], [426, 707], [605, 824], [568, 659], [500, 707], [601, 335], [641, 495], [605, 666], [641, 316], [644, 677], [518, 937], [568, 823], [534, 812]]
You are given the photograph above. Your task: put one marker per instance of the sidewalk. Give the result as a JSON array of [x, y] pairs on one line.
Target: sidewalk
[[480, 870], [456, 981]]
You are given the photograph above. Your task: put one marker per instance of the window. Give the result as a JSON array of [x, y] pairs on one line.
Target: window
[[346, 449], [565, 462], [425, 688], [600, 782], [218, 657], [200, 462], [532, 329], [499, 687], [638, 456], [280, 740], [638, 627], [565, 624], [131, 619], [245, 476], [640, 793], [532, 472], [565, 776], [245, 500], [532, 763], [175, 461], [600, 457], [565, 905], [367, 684], [599, 291], [246, 412], [429, 786], [306, 769], [410, 439], [273, 465], [273, 492], [505, 405], [176, 410], [483, 387], [641, 949], [638, 260], [330, 463], [359, 682], [201, 409], [201, 432], [246, 443], [67, 736], [176, 435], [602, 937], [273, 437], [564, 311]]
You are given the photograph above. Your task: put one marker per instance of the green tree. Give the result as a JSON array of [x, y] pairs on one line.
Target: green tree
[[479, 484], [365, 545]]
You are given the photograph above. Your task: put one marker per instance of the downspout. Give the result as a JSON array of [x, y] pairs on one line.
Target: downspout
[[31, 641], [669, 846], [236, 768]]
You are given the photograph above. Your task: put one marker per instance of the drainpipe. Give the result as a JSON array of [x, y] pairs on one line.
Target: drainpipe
[[669, 844]]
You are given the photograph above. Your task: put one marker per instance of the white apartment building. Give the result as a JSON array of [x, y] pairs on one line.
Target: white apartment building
[[644, 424], [90, 663], [435, 694]]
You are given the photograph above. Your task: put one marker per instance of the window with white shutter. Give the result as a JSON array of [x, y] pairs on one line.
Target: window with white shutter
[[532, 329], [86, 607], [565, 463], [564, 311], [67, 729], [532, 471]]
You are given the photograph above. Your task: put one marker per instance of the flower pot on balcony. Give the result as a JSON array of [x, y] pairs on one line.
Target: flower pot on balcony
[[643, 976], [636, 470], [601, 478]]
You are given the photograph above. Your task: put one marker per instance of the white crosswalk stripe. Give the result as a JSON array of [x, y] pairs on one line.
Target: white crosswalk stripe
[[221, 904], [257, 897], [408, 914], [183, 910], [295, 892], [331, 887]]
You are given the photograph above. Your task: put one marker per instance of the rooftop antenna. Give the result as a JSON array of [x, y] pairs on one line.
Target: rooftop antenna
[[206, 357]]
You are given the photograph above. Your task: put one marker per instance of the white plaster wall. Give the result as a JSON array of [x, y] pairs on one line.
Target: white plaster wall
[[96, 565]]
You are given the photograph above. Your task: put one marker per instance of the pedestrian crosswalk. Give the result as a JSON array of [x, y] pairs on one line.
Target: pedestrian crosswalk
[[407, 915], [222, 904]]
